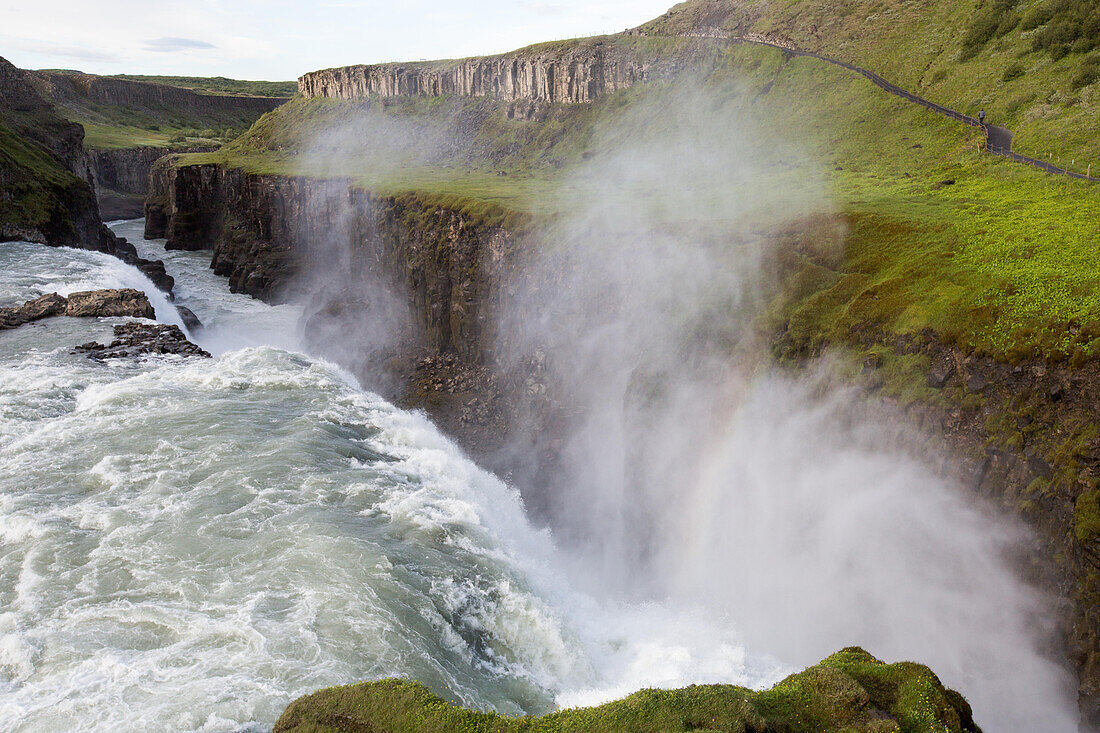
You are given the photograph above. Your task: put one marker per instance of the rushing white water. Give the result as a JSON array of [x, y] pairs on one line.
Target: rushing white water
[[189, 544]]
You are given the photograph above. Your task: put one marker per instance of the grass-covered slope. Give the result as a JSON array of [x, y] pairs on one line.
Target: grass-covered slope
[[220, 85], [1000, 260], [850, 691], [40, 194], [121, 112], [1032, 66]]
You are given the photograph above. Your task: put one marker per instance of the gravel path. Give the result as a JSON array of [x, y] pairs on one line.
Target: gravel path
[[998, 139]]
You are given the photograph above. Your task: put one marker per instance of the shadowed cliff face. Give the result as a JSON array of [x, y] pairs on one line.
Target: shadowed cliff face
[[46, 181]]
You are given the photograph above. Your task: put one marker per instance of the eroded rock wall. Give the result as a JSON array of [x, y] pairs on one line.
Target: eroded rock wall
[[121, 178], [567, 72], [275, 237]]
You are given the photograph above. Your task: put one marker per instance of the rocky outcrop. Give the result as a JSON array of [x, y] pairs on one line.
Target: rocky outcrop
[[124, 302], [568, 72], [262, 229], [140, 339], [75, 88]]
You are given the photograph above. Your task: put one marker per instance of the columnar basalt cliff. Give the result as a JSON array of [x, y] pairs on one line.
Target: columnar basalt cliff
[[265, 230], [570, 73]]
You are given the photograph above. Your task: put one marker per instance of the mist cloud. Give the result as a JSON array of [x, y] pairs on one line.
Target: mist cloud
[[652, 433]]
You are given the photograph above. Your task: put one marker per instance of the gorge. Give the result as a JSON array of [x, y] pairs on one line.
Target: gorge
[[539, 379]]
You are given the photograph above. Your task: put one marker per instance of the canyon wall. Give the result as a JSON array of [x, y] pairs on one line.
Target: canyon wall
[[568, 72], [71, 88], [46, 192], [121, 177]]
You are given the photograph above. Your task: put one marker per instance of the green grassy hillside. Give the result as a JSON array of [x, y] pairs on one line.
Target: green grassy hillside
[[849, 691], [127, 112], [1032, 66], [220, 85], [1000, 261]]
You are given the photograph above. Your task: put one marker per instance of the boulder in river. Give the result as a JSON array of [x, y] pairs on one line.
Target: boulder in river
[[106, 303], [189, 318], [116, 302], [137, 339]]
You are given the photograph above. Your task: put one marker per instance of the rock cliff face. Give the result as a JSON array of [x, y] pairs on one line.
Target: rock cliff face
[[554, 73], [121, 178], [45, 184], [69, 87], [264, 229]]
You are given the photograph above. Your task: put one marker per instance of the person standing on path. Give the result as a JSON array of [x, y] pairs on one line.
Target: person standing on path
[[981, 117]]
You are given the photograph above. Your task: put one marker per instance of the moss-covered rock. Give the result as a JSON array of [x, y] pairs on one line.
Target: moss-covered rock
[[850, 691]]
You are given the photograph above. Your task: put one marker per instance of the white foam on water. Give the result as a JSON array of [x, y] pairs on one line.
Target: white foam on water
[[190, 544]]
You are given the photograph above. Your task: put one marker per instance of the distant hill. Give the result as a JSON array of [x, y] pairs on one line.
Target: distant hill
[[220, 85], [118, 112]]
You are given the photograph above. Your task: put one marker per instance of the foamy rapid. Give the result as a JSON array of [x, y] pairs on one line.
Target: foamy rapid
[[190, 544]]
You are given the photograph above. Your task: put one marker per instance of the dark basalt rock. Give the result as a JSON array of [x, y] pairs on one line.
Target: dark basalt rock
[[189, 318], [941, 371], [138, 339]]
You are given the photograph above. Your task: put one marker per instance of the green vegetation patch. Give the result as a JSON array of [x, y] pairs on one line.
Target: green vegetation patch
[[36, 190], [993, 256], [1016, 60], [850, 691], [220, 85]]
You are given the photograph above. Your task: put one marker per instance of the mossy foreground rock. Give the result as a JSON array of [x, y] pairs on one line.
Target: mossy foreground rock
[[850, 691]]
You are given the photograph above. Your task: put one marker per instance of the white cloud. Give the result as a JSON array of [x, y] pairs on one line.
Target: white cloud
[[173, 44]]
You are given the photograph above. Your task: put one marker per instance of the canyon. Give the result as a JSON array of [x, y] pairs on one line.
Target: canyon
[[400, 207], [1018, 430]]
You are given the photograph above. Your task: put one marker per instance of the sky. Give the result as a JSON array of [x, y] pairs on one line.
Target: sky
[[281, 40]]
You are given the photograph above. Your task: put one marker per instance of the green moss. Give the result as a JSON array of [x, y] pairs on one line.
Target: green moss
[[36, 189], [836, 695], [1086, 516]]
